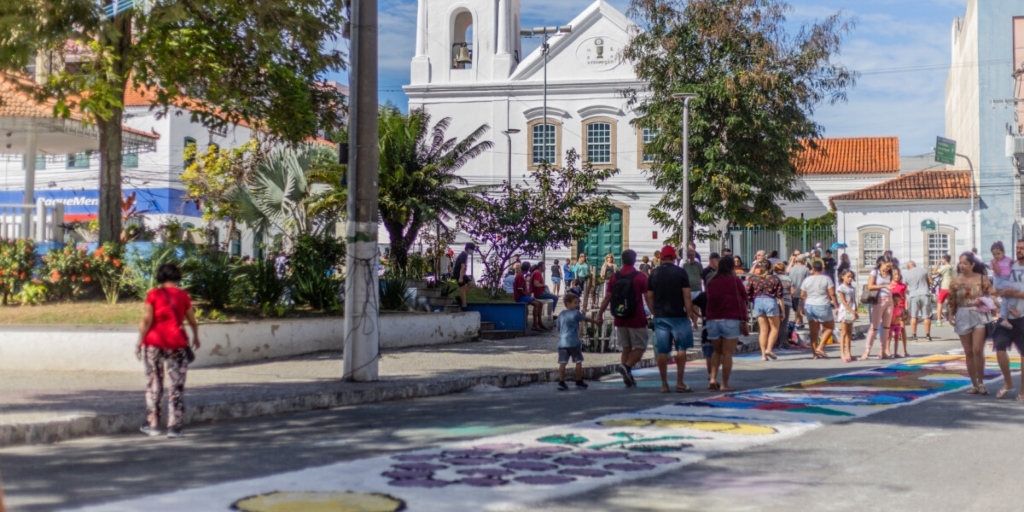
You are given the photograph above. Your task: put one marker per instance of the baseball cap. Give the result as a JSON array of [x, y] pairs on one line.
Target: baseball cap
[[714, 256], [668, 252]]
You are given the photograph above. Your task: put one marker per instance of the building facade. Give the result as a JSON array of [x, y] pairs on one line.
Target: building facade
[[984, 112]]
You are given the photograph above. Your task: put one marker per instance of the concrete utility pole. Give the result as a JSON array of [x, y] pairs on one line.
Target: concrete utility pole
[[686, 97], [970, 165], [362, 301], [508, 134]]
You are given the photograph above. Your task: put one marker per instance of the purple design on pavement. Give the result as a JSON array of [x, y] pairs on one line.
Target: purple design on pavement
[[497, 447], [524, 456], [414, 458], [653, 459], [592, 473], [545, 449], [476, 452], [404, 474], [420, 466], [545, 479], [469, 461], [598, 455], [629, 467], [527, 465], [574, 461], [490, 472], [483, 482], [425, 483]]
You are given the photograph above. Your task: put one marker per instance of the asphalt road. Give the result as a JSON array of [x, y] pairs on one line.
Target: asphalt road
[[952, 453]]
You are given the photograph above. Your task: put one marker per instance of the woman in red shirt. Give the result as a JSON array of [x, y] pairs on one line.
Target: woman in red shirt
[[726, 312], [163, 341]]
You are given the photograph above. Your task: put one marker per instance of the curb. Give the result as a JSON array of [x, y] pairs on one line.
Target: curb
[[120, 423]]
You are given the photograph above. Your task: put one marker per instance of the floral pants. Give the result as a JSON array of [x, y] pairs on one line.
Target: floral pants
[[176, 365]]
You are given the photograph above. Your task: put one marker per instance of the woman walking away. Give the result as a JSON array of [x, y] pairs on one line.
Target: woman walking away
[[900, 314], [787, 304], [846, 294], [819, 297], [556, 279], [163, 345], [726, 321], [881, 311], [966, 309], [766, 289]]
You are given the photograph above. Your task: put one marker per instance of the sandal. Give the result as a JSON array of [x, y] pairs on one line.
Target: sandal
[[713, 386], [684, 389], [982, 390], [1003, 392], [727, 389], [973, 390], [772, 355]]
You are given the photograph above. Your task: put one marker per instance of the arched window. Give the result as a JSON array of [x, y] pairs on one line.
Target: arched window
[[189, 141], [462, 40]]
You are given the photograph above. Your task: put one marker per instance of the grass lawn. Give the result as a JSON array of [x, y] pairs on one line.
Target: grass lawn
[[480, 295], [124, 313]]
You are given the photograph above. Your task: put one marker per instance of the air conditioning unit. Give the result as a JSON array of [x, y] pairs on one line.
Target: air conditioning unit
[[1015, 146]]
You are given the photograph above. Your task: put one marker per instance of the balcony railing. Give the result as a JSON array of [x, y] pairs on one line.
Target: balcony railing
[[37, 222]]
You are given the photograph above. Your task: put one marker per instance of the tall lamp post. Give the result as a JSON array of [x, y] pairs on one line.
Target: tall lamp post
[[546, 32], [508, 134], [974, 241], [686, 97]]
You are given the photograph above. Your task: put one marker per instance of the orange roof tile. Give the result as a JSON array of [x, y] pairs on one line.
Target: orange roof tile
[[17, 101], [863, 155], [919, 185]]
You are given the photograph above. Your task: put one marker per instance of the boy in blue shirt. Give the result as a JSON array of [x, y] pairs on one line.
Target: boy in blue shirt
[[569, 344]]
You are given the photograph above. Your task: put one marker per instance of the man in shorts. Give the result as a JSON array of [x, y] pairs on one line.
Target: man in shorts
[[919, 298], [668, 292], [1004, 338], [944, 268], [632, 333], [461, 272]]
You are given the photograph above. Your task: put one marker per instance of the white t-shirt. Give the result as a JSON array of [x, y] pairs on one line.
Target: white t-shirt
[[849, 294], [817, 290], [1017, 278], [881, 280]]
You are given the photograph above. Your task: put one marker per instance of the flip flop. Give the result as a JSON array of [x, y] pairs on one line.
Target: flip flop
[[727, 390], [684, 389], [713, 386], [1003, 392], [772, 356], [973, 390]]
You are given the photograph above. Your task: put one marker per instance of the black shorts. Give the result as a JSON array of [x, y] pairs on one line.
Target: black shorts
[[576, 353], [465, 280], [796, 304], [1003, 338]]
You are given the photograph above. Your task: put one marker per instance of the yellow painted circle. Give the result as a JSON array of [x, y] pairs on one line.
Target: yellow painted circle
[[746, 429], [319, 502]]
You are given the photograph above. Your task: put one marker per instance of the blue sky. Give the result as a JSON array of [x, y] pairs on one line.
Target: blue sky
[[901, 47]]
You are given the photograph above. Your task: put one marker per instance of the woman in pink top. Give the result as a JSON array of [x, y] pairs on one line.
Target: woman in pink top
[[726, 312]]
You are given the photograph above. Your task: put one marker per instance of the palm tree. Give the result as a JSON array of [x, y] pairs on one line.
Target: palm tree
[[287, 191], [418, 180]]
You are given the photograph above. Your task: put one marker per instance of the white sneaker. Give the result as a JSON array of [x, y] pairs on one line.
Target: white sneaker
[[174, 434], [149, 431]]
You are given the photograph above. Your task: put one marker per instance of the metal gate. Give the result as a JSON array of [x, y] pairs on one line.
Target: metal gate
[[745, 242]]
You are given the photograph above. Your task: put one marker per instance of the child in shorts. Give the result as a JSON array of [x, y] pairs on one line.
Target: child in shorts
[[569, 343]]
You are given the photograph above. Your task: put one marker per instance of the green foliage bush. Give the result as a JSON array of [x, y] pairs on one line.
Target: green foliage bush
[[210, 276], [68, 272], [393, 288], [17, 257], [259, 285], [314, 275]]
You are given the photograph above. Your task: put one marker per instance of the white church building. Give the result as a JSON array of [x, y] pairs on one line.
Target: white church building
[[469, 66]]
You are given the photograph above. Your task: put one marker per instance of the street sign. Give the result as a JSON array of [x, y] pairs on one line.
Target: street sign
[[945, 151], [928, 225]]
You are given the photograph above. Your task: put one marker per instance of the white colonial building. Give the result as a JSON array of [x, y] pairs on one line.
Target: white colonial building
[[494, 84]]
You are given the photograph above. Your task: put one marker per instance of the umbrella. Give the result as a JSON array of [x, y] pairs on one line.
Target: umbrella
[[838, 245]]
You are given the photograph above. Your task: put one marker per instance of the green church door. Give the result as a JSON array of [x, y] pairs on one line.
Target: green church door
[[605, 239]]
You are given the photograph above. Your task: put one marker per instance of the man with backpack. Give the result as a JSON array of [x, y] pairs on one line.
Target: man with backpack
[[626, 292]]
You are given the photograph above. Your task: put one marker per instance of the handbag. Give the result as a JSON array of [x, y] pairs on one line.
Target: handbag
[[190, 355], [744, 324], [868, 296]]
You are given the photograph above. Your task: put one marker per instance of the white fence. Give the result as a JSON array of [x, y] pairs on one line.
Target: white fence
[[37, 222]]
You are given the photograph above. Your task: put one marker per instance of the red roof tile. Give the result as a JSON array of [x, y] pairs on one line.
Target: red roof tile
[[864, 155], [916, 186]]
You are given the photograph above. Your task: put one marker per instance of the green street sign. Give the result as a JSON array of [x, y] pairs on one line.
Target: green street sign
[[928, 225], [945, 151]]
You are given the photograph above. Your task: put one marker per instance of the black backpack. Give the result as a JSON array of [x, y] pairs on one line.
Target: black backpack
[[623, 296]]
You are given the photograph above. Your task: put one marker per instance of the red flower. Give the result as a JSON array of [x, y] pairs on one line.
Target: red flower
[[55, 276]]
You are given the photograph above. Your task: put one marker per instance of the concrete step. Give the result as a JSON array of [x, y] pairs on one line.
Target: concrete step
[[500, 335]]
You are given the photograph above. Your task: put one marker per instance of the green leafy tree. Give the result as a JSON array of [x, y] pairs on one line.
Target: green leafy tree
[[560, 205], [419, 183], [758, 87], [259, 61]]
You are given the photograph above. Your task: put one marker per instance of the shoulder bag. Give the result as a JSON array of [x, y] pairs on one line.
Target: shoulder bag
[[745, 323], [190, 356], [868, 296]]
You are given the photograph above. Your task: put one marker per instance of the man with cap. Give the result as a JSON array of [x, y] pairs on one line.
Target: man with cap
[[668, 293]]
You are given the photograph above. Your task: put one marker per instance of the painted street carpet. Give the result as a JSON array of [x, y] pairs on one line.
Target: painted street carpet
[[509, 471]]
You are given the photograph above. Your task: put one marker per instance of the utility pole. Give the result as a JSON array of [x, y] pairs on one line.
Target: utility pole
[[508, 134], [970, 165], [686, 97], [362, 300]]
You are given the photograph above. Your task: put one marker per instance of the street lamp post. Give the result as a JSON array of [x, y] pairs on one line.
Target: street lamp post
[[508, 134], [686, 97], [974, 242], [546, 32]]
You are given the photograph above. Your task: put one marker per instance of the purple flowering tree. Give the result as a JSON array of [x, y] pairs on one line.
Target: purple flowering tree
[[558, 206]]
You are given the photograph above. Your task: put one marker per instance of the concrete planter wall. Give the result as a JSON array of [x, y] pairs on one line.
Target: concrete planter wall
[[112, 348]]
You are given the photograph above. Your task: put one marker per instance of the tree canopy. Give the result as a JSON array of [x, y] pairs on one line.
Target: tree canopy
[[758, 87], [260, 62]]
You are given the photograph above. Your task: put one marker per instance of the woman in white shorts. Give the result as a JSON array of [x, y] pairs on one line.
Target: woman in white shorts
[[965, 294], [819, 297]]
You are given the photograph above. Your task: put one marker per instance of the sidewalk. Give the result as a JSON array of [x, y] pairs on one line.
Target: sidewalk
[[37, 407]]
